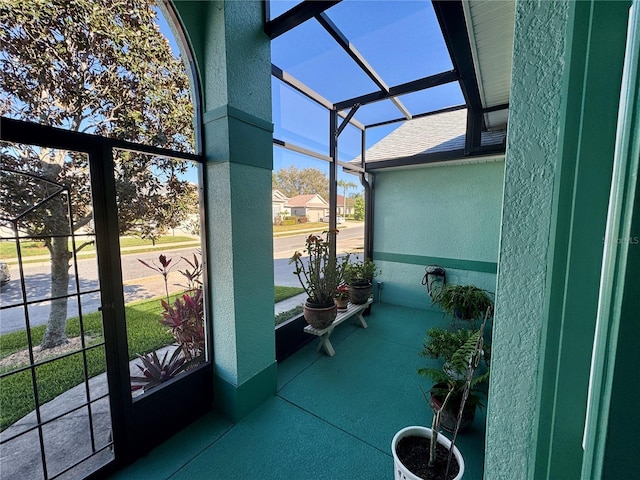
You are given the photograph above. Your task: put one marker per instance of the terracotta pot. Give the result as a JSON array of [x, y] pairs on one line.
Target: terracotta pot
[[359, 294], [341, 303], [319, 316]]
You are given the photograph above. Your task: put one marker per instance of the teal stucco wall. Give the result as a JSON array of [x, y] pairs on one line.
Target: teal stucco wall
[[447, 215], [532, 150], [234, 63], [565, 91]]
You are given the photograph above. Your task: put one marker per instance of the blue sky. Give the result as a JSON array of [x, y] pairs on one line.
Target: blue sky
[[400, 39]]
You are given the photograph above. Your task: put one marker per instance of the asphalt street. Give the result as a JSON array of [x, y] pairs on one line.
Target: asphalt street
[[139, 281]]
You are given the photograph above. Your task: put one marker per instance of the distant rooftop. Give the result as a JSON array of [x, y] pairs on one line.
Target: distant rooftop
[[444, 132]]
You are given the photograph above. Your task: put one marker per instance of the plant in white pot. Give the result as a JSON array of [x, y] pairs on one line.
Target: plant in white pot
[[319, 274], [424, 453]]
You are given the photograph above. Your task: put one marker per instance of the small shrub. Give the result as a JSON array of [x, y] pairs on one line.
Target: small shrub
[[156, 371], [284, 316]]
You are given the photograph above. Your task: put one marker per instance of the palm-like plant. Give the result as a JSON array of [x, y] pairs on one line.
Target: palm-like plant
[[156, 371]]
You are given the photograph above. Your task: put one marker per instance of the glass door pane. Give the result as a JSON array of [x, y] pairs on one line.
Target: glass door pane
[[55, 420], [161, 258]]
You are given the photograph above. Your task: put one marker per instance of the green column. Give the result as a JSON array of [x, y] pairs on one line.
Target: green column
[[234, 63], [564, 101], [613, 426]]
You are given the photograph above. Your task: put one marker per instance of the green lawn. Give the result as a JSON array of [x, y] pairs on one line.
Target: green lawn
[[144, 332], [282, 293], [31, 248], [300, 226]]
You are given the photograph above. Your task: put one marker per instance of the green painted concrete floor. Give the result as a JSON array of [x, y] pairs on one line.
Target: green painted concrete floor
[[332, 418]]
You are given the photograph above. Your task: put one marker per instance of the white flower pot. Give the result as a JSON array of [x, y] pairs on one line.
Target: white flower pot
[[401, 472]]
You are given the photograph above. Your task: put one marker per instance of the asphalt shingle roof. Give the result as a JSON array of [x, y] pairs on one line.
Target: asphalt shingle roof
[[443, 132]]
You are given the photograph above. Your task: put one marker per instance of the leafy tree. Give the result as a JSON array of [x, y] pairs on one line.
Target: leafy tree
[[358, 207], [292, 181], [345, 187], [100, 67]]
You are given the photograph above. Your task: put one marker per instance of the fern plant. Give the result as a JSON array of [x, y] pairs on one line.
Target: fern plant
[[466, 302], [462, 381], [451, 377]]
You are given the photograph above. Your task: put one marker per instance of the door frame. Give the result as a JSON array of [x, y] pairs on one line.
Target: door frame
[[142, 423]]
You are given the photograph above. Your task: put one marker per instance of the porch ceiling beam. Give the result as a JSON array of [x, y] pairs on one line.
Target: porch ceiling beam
[[347, 119], [409, 87], [496, 108], [308, 92], [426, 114], [13, 130], [357, 57], [450, 16], [348, 166], [295, 16], [296, 84], [297, 148]]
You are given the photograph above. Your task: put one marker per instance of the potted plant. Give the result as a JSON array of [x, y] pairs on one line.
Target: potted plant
[[342, 296], [464, 302], [359, 277], [416, 449], [448, 346], [320, 276], [441, 343], [450, 379]]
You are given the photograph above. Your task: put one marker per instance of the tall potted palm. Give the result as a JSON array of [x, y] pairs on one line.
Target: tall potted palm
[[319, 274]]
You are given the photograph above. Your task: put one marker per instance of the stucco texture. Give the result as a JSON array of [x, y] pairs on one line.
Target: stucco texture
[[532, 153], [448, 212], [234, 67]]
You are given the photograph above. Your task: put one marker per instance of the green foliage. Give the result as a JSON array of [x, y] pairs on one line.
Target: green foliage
[[307, 181], [323, 272], [467, 302], [144, 334], [441, 343], [282, 293], [156, 371], [16, 392], [103, 68], [284, 316], [358, 208], [360, 273], [452, 376]]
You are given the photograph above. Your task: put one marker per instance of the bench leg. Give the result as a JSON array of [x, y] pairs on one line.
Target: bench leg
[[362, 322], [324, 342]]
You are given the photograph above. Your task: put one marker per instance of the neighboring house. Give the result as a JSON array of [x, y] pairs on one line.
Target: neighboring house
[[312, 206], [345, 208], [442, 133], [278, 204]]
